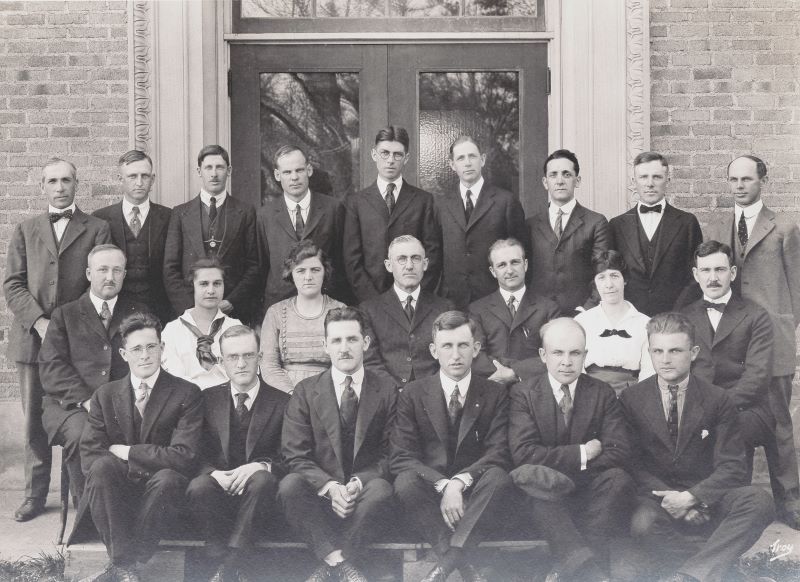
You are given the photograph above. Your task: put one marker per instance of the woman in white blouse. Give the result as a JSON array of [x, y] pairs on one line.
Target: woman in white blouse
[[191, 342], [616, 334]]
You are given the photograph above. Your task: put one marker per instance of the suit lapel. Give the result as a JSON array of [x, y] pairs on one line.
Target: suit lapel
[[765, 222], [232, 220], [582, 410], [525, 310], [499, 308], [654, 410], [367, 405], [573, 224], [545, 407], [220, 419], [703, 330], [669, 230], [541, 222], [117, 225], [732, 316], [263, 409], [395, 310], [455, 207], [194, 226], [404, 201], [485, 202], [423, 308], [91, 317], [473, 405], [630, 228], [122, 401], [45, 233], [160, 221], [283, 219], [436, 408], [328, 411], [159, 396], [122, 309], [691, 415], [314, 215], [75, 228], [374, 198]]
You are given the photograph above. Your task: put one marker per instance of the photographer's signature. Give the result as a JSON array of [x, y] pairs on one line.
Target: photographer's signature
[[779, 550]]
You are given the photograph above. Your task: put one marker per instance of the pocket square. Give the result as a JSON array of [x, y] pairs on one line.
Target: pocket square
[[703, 433]]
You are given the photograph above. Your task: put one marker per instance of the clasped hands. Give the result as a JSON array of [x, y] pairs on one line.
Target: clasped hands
[[234, 480], [344, 497], [682, 505]]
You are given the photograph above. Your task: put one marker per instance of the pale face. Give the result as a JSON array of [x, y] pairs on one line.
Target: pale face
[[407, 264], [744, 182], [467, 162], [106, 272], [563, 352], [560, 180], [59, 185], [455, 349], [508, 267], [209, 288], [308, 276], [345, 344], [240, 357], [651, 181], [390, 158], [611, 286], [714, 274], [214, 172], [137, 179], [672, 355], [293, 172], [142, 351]]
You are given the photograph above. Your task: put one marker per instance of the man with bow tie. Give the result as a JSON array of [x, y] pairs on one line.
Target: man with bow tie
[[139, 449]]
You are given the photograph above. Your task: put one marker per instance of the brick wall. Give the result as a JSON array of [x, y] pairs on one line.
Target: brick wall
[[63, 92]]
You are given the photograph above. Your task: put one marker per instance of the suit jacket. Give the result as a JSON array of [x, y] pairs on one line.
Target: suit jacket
[[561, 269], [419, 440], [400, 348], [277, 237], [158, 220], [596, 414], [769, 274], [263, 444], [40, 276], [679, 235], [368, 230], [709, 458], [514, 343], [312, 440], [465, 271], [739, 355], [238, 252], [78, 356]]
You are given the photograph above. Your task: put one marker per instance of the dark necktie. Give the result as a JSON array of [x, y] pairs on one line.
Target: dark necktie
[[409, 308], [212, 210], [241, 409], [643, 209], [718, 306], [566, 403], [742, 231], [390, 197], [512, 308], [299, 225], [204, 354], [672, 419], [620, 332], [558, 228], [56, 216], [468, 207], [348, 409], [136, 224], [105, 314], [142, 392], [454, 407]]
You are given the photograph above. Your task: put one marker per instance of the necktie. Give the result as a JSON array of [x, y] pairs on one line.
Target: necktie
[[136, 225], [468, 207], [566, 403], [390, 197], [718, 306], [241, 409], [643, 209], [56, 216], [212, 210], [142, 392], [512, 308], [299, 225], [348, 409], [742, 230], [454, 407], [204, 354], [672, 419], [409, 308], [620, 332], [105, 314], [558, 228]]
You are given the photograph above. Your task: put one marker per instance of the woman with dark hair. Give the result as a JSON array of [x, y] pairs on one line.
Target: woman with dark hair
[[616, 335], [293, 331]]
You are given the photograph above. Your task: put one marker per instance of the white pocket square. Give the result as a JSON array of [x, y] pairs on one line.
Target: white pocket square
[[703, 433]]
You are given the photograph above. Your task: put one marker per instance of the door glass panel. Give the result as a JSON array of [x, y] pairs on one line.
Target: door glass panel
[[277, 8], [319, 113], [500, 8], [425, 8], [351, 8], [484, 105]]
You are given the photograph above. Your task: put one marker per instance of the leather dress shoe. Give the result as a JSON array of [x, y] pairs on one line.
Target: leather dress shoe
[[347, 572], [470, 573], [321, 574], [29, 509], [790, 517]]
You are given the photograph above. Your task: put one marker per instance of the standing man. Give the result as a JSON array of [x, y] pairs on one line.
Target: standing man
[[214, 225], [389, 208], [45, 268], [336, 442], [399, 321], [656, 240], [234, 496], [298, 215], [564, 237], [767, 255], [140, 447], [689, 464], [472, 217], [450, 450], [139, 228], [510, 318]]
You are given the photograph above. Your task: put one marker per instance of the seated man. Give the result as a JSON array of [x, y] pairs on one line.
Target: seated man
[[236, 489], [450, 450], [689, 466], [572, 424], [336, 443], [399, 320], [509, 318], [138, 450]]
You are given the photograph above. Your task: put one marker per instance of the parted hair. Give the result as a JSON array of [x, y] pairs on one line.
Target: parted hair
[[464, 139], [566, 155], [393, 133], [453, 320], [204, 263], [104, 247], [646, 157], [346, 314], [604, 260], [285, 150], [134, 156], [761, 167], [213, 150], [502, 243], [711, 247], [671, 322], [238, 331], [55, 162], [303, 250], [138, 321]]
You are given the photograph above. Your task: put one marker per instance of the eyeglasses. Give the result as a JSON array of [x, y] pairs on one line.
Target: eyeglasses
[[234, 358], [150, 349], [396, 156], [402, 260]]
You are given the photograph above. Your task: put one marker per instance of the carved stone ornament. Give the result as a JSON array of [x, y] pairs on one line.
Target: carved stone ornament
[[139, 29], [638, 84]]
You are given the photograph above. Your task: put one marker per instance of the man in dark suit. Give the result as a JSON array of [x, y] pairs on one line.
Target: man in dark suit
[[139, 227], [656, 240], [572, 424], [45, 266], [564, 237], [767, 254], [399, 321], [214, 224], [385, 210], [321, 220], [509, 319], [472, 217], [138, 451], [80, 353], [450, 450], [234, 495], [689, 464], [336, 443]]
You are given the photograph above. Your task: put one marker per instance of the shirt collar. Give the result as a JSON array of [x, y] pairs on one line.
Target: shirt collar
[[398, 184], [555, 386], [682, 386], [206, 198], [304, 203], [475, 189], [98, 303], [53, 210], [338, 380], [151, 381], [187, 315], [449, 385], [662, 203], [252, 393], [144, 207], [566, 208], [401, 295], [722, 300], [518, 294], [749, 211]]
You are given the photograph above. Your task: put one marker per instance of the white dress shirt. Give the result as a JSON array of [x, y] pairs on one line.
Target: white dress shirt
[[144, 210], [651, 220], [566, 209], [98, 303], [750, 215], [555, 386], [518, 295], [715, 316], [291, 206], [398, 185], [475, 189], [60, 225], [205, 197], [664, 389], [251, 393], [151, 381], [403, 295]]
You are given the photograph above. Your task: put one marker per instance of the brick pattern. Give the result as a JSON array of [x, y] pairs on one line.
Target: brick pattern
[[63, 92]]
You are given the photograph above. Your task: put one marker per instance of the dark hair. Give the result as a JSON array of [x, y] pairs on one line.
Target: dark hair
[[453, 320], [566, 155], [134, 156], [204, 263], [711, 247], [303, 250], [237, 331], [646, 157], [670, 322], [393, 133], [285, 150], [604, 260], [138, 321], [502, 243], [761, 167], [213, 150], [346, 314], [464, 139]]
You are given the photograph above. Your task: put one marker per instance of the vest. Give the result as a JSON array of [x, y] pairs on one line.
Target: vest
[[137, 251], [348, 448], [237, 447], [213, 230], [738, 257], [137, 423], [452, 439], [562, 430], [648, 247]]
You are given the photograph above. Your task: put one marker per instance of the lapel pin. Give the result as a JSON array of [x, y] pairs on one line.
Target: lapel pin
[[703, 434]]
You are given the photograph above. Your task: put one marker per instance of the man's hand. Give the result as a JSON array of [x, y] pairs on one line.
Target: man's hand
[[226, 306], [353, 489], [593, 449], [452, 505], [342, 502], [224, 478], [696, 517], [40, 325], [676, 503], [503, 374], [242, 474], [120, 451]]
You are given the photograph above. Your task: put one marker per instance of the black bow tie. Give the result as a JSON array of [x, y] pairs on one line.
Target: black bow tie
[[56, 216], [645, 209], [718, 306], [620, 332]]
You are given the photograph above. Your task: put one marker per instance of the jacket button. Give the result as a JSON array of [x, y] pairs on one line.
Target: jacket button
[[103, 373], [405, 379], [408, 359], [105, 347], [52, 283]]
